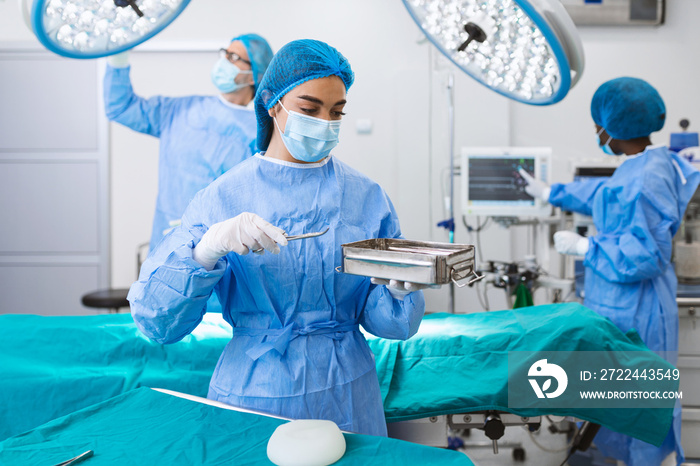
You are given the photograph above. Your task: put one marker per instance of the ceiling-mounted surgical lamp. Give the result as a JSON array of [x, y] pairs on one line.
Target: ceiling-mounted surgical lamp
[[97, 28], [527, 50]]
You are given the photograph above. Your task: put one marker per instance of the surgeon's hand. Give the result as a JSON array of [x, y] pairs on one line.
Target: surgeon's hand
[[239, 234], [120, 60], [568, 242], [398, 289], [535, 188]]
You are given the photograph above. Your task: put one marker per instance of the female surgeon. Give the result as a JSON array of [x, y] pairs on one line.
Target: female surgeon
[[636, 212], [296, 349]]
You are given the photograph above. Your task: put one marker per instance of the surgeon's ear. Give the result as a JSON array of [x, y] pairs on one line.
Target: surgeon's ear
[[273, 111]]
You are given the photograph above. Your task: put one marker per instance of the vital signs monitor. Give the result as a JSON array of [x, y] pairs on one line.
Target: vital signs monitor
[[492, 186]]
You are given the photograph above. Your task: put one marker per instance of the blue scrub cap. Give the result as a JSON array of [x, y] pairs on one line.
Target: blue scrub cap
[[259, 54], [628, 108], [295, 63]]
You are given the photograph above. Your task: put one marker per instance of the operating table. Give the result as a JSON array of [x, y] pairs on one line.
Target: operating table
[[454, 366]]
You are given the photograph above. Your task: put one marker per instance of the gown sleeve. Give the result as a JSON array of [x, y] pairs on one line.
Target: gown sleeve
[[635, 239], [383, 315], [125, 107], [169, 299], [576, 196]]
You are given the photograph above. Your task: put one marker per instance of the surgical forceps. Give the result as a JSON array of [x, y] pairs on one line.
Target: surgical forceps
[[77, 459], [295, 237]]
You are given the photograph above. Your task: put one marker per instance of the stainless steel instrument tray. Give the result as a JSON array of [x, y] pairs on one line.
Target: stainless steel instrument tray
[[424, 262]]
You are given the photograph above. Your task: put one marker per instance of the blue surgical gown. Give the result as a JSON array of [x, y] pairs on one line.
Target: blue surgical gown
[[296, 349], [629, 277], [201, 137]]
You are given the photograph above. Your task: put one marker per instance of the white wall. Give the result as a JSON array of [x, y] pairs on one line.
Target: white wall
[[400, 86]]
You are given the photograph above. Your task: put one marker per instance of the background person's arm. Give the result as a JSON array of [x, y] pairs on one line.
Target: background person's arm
[[124, 106], [576, 196], [639, 248]]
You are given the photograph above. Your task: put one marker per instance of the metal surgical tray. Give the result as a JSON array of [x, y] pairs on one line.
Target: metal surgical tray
[[413, 261]]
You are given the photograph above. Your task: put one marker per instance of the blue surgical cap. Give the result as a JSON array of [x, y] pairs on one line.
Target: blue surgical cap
[[628, 108], [295, 63], [259, 54]]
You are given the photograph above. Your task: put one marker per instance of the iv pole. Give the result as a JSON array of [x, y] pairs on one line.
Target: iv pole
[[449, 224], [451, 128]]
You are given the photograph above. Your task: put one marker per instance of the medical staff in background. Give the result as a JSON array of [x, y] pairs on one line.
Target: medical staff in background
[[201, 137], [636, 212], [296, 350]]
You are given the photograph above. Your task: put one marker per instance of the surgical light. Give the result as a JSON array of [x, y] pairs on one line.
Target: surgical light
[[527, 50], [97, 28]]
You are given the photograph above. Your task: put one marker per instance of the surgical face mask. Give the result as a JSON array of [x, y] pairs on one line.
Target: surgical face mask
[[605, 147], [223, 75], [307, 138]]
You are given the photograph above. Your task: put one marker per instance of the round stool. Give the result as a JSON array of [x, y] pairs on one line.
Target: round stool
[[112, 299]]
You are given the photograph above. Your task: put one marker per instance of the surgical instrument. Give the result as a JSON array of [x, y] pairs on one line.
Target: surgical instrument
[[295, 237], [77, 459]]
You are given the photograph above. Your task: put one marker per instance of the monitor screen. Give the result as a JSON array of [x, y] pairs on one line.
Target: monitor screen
[[495, 180], [493, 186]]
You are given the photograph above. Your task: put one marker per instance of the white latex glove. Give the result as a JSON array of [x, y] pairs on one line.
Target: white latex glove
[[568, 242], [240, 234], [535, 188], [398, 289], [120, 60]]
